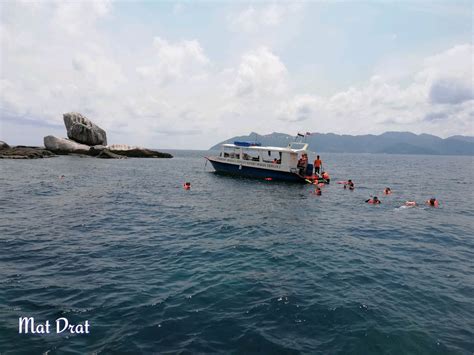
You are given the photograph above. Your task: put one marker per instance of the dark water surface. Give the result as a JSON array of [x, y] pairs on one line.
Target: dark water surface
[[236, 265]]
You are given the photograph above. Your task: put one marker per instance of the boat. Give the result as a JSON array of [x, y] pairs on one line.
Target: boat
[[248, 159]]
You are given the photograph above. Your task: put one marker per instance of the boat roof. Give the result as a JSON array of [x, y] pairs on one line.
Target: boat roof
[[274, 149]]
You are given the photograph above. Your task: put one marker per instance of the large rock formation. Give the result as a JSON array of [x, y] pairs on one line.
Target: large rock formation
[[87, 138], [4, 145], [64, 146], [82, 130]]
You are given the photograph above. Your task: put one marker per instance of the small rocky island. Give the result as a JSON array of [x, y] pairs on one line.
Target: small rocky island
[[84, 138]]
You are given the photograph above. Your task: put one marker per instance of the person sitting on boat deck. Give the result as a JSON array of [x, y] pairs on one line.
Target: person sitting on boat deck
[[387, 191], [373, 201], [275, 161], [432, 202], [349, 184], [317, 165], [326, 177]]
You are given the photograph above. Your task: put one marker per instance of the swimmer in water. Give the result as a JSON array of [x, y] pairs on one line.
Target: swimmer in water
[[318, 191], [373, 201], [349, 185], [187, 186], [432, 202], [387, 191], [326, 177], [410, 203]]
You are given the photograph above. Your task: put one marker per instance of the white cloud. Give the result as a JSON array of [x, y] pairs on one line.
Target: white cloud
[[184, 59], [76, 16], [260, 73], [442, 91], [300, 108], [252, 19]]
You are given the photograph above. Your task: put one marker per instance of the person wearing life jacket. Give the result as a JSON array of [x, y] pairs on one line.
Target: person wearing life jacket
[[387, 191], [326, 177], [432, 202], [349, 184], [317, 165], [303, 163], [373, 201], [187, 185]]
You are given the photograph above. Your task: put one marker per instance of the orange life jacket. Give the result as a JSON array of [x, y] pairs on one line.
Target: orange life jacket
[[317, 163]]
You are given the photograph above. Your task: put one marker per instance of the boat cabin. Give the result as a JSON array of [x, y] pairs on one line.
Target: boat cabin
[[286, 158]]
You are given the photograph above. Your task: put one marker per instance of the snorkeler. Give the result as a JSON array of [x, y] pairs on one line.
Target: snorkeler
[[326, 177], [373, 201], [387, 191], [349, 184], [432, 202]]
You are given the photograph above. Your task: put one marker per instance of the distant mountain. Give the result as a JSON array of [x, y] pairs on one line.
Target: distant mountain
[[388, 143]]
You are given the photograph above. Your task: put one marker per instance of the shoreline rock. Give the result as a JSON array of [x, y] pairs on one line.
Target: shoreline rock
[[85, 138], [107, 154], [24, 152], [64, 146], [141, 153]]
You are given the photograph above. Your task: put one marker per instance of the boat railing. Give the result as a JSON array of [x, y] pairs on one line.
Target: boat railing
[[298, 146]]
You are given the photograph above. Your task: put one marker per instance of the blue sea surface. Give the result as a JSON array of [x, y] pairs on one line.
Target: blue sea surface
[[237, 265]]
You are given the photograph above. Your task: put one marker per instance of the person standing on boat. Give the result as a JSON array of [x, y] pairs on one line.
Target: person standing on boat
[[303, 163], [317, 165]]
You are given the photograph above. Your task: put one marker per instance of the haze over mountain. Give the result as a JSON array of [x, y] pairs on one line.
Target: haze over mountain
[[388, 143]]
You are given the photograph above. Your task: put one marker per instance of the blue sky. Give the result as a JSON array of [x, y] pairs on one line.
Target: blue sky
[[189, 74]]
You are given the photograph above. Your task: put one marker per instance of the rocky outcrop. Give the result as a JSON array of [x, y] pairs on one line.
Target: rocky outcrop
[[136, 152], [141, 153], [82, 130], [121, 147], [23, 152], [64, 146], [107, 154], [86, 138]]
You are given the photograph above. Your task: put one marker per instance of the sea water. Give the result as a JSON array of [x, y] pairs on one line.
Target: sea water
[[237, 265]]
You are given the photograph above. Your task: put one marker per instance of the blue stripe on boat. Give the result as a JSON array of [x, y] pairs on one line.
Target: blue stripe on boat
[[252, 172]]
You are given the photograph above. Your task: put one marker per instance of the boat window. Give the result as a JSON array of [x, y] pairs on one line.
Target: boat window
[[231, 152], [250, 155], [273, 157]]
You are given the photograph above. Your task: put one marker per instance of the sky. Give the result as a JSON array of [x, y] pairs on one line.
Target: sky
[[187, 75]]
